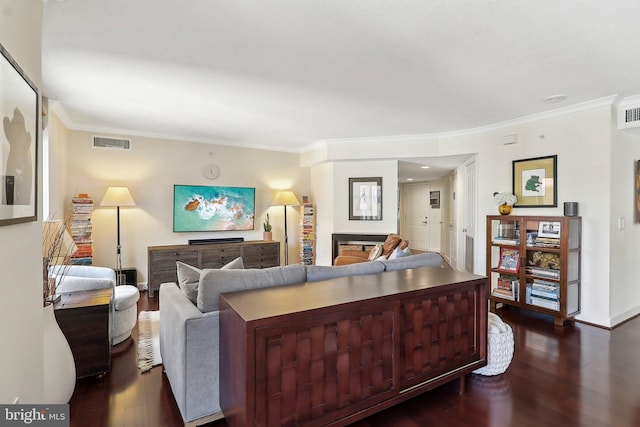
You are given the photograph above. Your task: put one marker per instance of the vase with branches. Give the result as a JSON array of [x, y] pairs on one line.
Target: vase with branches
[[57, 248]]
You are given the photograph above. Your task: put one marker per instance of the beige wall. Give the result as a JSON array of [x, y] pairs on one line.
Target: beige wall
[[150, 169], [593, 170], [22, 359]]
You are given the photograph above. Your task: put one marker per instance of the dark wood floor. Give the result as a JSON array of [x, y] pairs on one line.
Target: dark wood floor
[[578, 375]]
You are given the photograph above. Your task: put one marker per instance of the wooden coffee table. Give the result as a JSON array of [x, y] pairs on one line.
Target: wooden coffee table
[[85, 320]]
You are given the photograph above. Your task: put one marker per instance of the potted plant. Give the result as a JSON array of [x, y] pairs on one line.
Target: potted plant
[[267, 235]]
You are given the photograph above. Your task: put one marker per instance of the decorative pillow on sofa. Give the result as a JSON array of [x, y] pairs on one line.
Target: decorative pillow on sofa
[[323, 272], [216, 282], [375, 252], [189, 277], [399, 253], [392, 242]]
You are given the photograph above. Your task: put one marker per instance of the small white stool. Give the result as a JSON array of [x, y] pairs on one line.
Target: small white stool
[[499, 347], [125, 312]]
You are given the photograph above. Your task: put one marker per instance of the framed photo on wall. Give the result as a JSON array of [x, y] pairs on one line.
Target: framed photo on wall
[[365, 199], [535, 182], [19, 113]]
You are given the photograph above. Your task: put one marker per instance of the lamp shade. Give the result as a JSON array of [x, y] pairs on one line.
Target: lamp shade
[[117, 196], [285, 198]]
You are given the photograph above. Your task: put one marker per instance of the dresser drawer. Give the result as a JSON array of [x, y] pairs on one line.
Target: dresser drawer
[[218, 257], [261, 255]]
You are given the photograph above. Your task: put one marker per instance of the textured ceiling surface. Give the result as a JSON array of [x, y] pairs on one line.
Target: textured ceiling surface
[[285, 74]]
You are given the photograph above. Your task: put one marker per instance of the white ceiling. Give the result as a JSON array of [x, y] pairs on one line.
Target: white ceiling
[[283, 74]]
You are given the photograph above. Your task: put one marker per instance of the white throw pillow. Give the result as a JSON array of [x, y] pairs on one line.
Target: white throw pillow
[[375, 252]]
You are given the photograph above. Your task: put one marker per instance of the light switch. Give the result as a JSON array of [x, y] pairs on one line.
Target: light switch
[[620, 222]]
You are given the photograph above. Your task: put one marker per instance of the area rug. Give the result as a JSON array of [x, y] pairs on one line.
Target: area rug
[[148, 340]]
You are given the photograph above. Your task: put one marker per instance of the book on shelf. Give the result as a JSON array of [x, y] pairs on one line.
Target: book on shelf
[[544, 302], [509, 260], [503, 293], [505, 241], [546, 242], [507, 287], [543, 272]]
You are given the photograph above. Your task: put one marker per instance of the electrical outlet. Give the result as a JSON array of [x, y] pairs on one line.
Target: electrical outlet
[[16, 400]]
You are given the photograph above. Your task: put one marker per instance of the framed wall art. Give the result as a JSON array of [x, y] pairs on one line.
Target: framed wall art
[[209, 208], [535, 182], [365, 199], [19, 112]]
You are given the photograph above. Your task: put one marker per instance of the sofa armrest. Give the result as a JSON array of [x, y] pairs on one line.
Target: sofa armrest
[[77, 283], [189, 349]]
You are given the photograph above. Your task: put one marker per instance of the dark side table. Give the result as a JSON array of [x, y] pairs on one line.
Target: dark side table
[[85, 320]]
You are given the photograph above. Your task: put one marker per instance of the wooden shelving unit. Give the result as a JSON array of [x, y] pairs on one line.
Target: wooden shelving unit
[[534, 262], [82, 229], [307, 234]]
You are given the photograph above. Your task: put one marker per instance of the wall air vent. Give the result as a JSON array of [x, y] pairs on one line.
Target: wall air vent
[[113, 143], [629, 115]]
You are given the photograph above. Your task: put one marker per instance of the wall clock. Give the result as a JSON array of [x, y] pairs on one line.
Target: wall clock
[[210, 171]]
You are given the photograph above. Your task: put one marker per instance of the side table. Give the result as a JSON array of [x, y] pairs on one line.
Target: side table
[[85, 320]]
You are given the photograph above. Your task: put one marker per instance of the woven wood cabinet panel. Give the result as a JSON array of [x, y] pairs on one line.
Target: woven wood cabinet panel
[[313, 371], [439, 334], [332, 352]]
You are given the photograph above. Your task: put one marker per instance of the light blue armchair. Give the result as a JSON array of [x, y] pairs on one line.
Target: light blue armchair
[[124, 312]]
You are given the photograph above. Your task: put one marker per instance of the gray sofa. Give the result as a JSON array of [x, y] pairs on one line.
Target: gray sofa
[[190, 322]]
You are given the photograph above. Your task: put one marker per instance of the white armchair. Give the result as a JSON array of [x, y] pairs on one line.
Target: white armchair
[[86, 277]]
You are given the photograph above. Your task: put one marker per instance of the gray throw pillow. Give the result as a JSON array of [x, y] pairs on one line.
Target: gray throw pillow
[[323, 272], [189, 277], [216, 282]]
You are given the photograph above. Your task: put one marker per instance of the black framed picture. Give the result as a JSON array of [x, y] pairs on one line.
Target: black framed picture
[[365, 199], [535, 182], [18, 143]]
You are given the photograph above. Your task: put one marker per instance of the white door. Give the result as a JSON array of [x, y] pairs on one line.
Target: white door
[[435, 218], [416, 205], [469, 213], [453, 222]]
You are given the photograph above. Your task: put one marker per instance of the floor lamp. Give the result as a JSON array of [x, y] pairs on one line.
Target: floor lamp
[[118, 196], [285, 198]]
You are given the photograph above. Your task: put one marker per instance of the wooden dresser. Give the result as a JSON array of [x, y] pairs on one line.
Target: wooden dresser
[[332, 352], [162, 259]]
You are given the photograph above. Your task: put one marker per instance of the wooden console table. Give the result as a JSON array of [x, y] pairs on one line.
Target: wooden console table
[[332, 352], [162, 259], [85, 320]]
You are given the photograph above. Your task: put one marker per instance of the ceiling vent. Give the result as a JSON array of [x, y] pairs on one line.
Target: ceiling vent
[[113, 143], [629, 116]]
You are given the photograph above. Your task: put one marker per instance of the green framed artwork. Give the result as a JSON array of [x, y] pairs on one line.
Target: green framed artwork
[[535, 182]]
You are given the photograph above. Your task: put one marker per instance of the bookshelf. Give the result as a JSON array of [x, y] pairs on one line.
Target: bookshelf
[[81, 229], [534, 262], [307, 234]]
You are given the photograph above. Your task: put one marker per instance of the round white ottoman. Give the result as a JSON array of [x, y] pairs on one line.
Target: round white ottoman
[[499, 347], [125, 312]]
